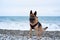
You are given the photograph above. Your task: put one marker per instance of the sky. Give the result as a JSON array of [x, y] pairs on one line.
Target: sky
[[23, 7]]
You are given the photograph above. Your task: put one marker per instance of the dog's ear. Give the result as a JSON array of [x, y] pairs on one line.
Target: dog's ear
[[35, 13], [31, 12]]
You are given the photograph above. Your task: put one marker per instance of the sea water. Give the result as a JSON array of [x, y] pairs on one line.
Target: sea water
[[22, 22]]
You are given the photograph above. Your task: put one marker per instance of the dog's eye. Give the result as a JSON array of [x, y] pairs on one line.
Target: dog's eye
[[32, 18]]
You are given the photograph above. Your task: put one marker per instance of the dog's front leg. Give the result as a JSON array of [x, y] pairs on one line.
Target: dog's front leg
[[30, 33], [37, 32]]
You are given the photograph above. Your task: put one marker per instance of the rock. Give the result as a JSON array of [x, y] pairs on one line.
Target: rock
[[23, 35]]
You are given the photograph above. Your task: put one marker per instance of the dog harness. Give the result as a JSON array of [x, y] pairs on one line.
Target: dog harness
[[33, 26]]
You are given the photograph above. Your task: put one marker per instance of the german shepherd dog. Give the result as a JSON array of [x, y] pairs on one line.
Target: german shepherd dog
[[36, 25]]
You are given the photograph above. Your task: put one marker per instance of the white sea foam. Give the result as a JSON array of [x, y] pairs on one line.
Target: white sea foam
[[14, 26], [25, 26]]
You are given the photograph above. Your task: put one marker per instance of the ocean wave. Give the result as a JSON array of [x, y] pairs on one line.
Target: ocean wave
[[26, 26]]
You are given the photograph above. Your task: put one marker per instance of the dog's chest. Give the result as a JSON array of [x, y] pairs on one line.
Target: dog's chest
[[37, 24]]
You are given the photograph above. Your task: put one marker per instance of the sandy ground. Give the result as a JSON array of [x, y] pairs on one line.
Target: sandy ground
[[23, 35]]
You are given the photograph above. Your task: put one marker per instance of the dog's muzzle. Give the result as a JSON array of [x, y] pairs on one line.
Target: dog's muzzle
[[32, 19]]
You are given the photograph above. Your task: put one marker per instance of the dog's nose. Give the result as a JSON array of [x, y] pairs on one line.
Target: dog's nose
[[32, 19]]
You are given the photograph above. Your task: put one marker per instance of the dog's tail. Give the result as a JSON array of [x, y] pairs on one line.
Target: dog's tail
[[45, 28]]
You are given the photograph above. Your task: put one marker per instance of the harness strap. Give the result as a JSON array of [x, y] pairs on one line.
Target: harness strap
[[32, 26]]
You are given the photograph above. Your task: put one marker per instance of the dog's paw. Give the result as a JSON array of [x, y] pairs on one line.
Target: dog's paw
[[30, 39]]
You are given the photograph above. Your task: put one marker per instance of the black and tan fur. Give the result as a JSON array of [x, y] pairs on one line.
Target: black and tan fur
[[34, 20]]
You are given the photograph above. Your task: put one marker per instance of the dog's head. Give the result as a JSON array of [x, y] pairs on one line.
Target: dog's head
[[33, 16]]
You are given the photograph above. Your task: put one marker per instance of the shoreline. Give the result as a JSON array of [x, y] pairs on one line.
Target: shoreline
[[32, 30]]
